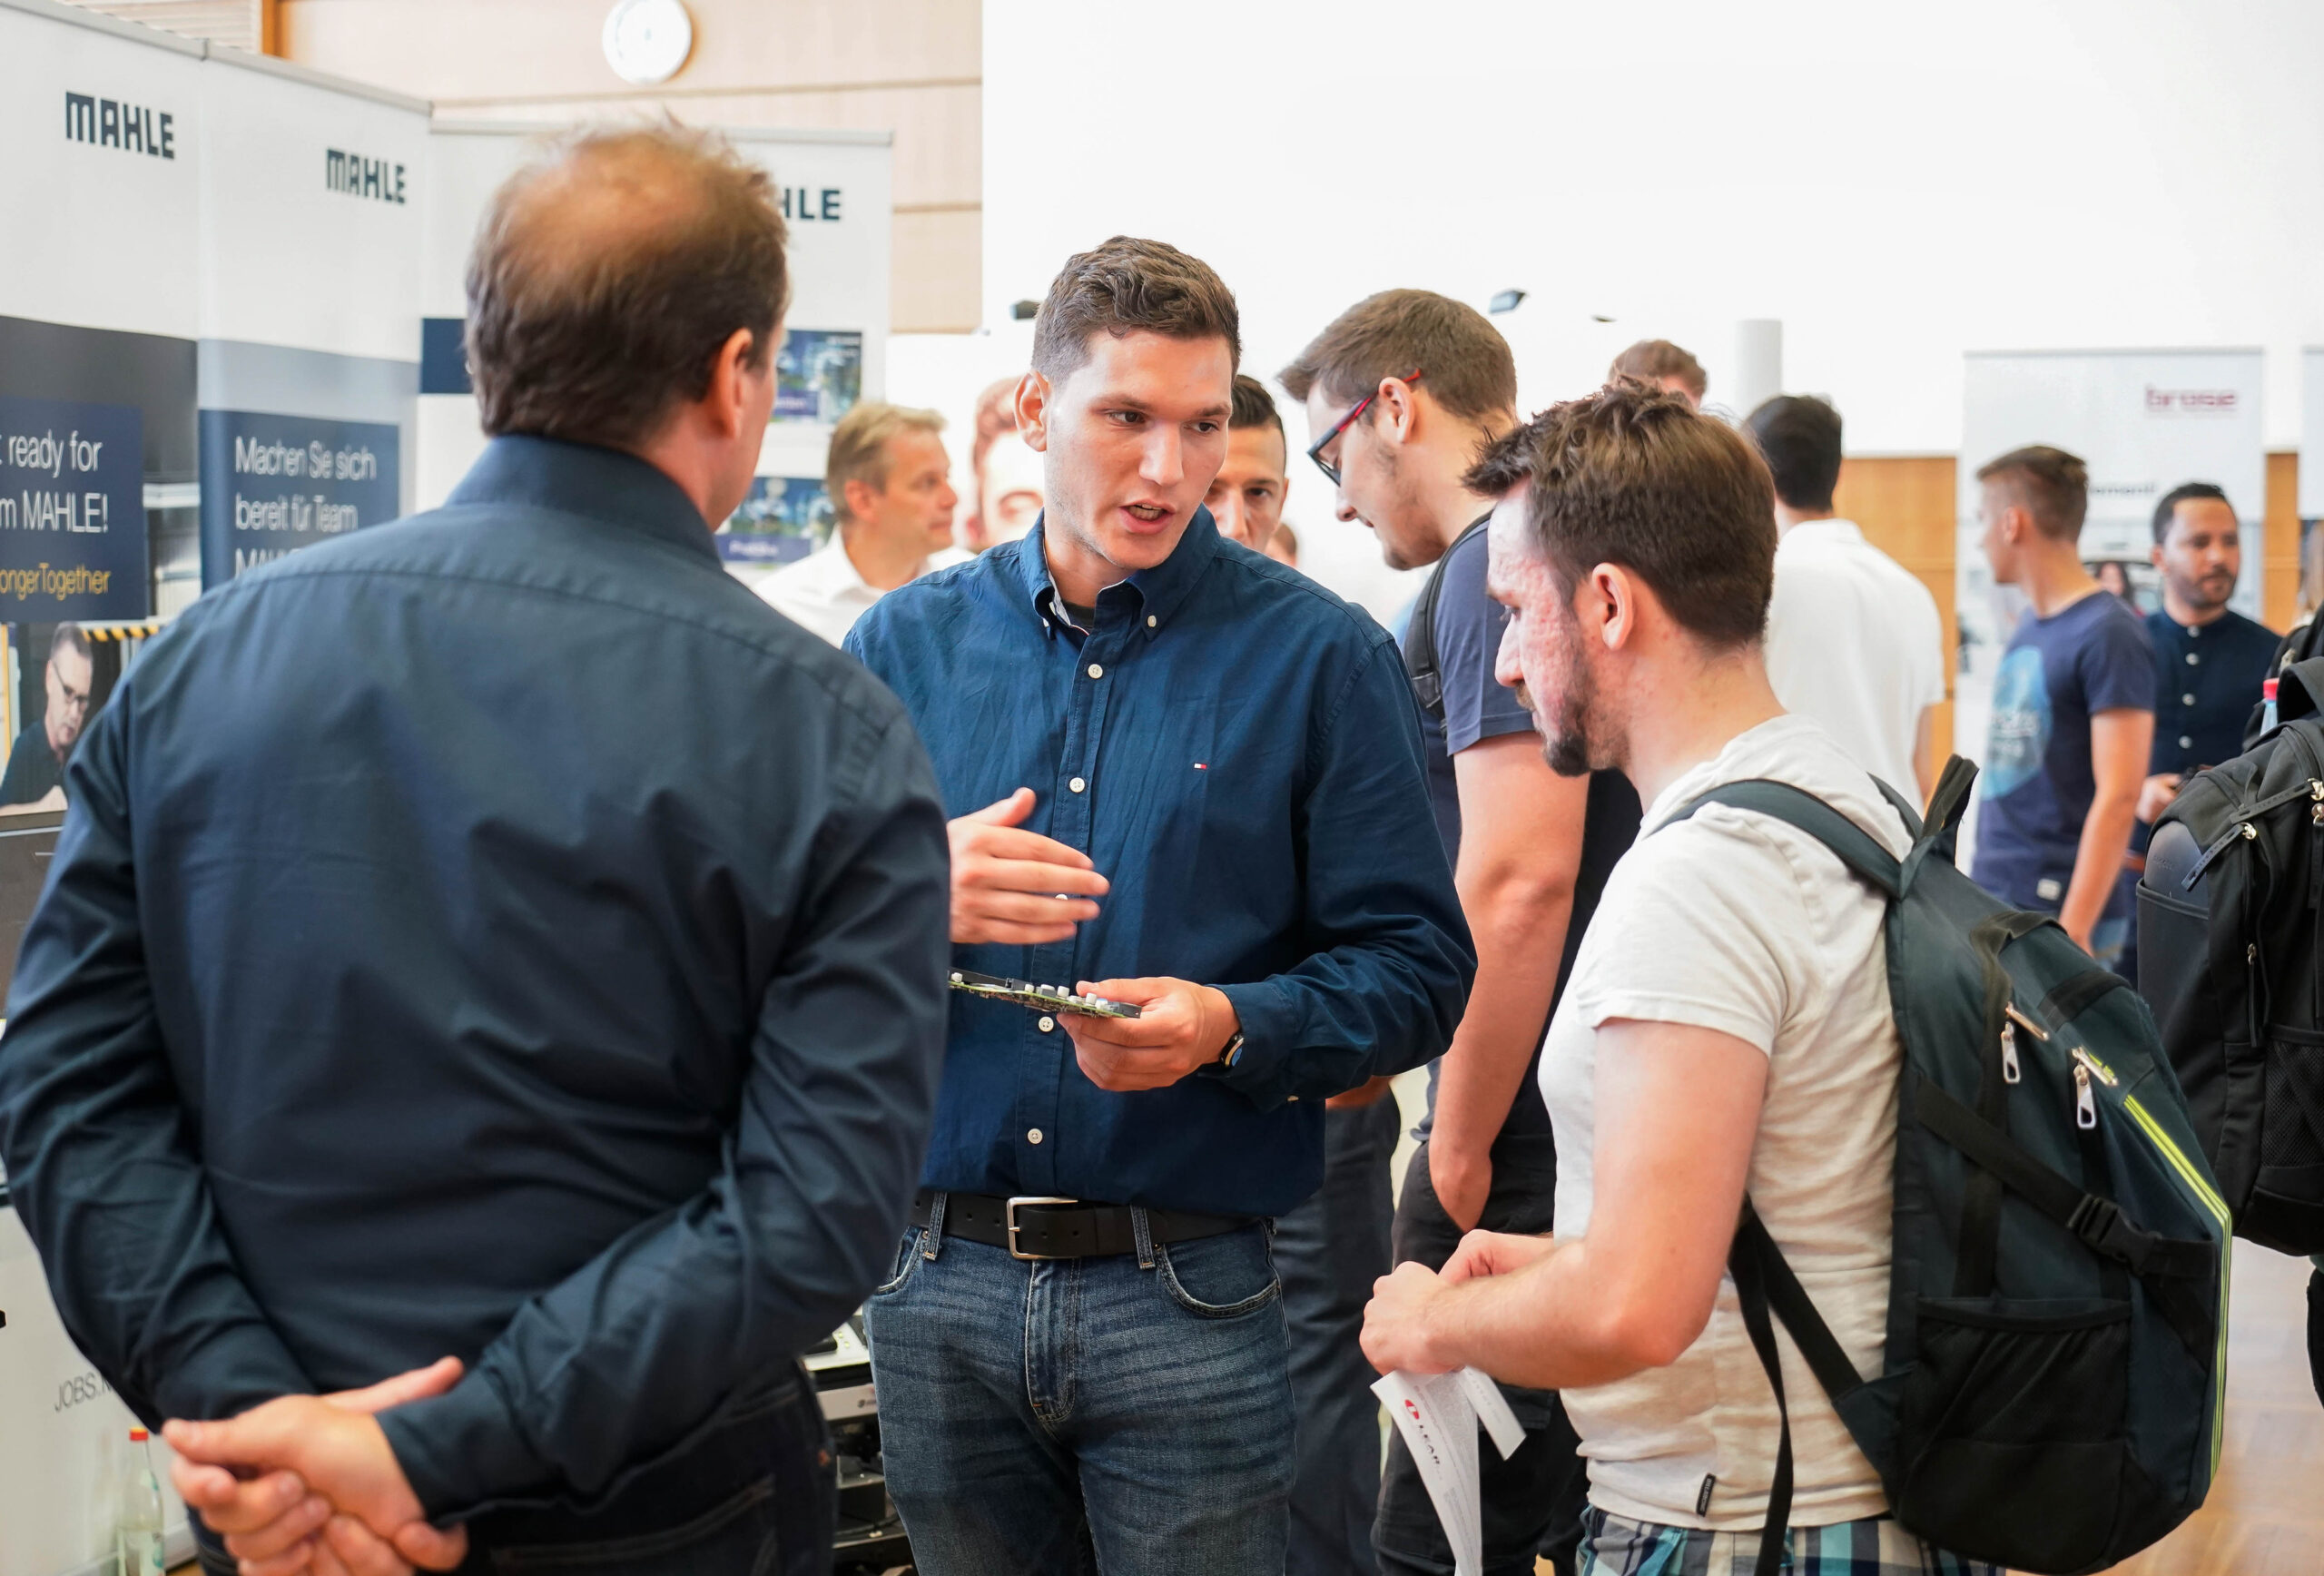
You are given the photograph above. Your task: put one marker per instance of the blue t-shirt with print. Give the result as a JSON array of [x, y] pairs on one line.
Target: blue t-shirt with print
[[2038, 783]]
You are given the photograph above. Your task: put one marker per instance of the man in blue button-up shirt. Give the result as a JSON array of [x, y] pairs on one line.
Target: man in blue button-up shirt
[[500, 934], [1185, 777]]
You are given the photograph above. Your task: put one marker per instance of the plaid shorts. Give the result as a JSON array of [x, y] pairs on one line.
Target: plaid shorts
[[1611, 1546]]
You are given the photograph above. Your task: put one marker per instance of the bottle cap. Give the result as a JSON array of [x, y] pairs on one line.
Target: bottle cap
[[137, 1436], [2268, 689]]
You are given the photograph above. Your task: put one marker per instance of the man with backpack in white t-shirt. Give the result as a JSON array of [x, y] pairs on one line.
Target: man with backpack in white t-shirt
[[1728, 1026]]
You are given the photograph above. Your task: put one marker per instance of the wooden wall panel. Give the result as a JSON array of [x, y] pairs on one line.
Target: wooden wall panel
[[914, 68], [2280, 572]]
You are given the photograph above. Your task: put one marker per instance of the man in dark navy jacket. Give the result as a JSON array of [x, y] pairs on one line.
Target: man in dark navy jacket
[[1185, 776], [500, 935]]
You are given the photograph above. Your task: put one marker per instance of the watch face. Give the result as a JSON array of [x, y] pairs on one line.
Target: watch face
[[646, 41]]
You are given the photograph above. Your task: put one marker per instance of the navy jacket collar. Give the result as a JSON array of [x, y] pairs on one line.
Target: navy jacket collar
[[580, 479], [1161, 588]]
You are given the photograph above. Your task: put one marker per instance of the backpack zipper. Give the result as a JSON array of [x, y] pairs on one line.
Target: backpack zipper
[[2010, 1071], [2085, 1104]]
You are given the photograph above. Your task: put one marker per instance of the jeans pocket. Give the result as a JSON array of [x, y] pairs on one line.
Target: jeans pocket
[[1219, 1278], [741, 1536], [907, 1256]]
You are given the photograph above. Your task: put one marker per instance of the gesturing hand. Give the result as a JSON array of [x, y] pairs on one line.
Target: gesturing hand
[[308, 1483], [1016, 887], [1182, 1026]]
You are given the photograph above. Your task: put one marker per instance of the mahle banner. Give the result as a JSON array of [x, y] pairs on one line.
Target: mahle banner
[[73, 532]]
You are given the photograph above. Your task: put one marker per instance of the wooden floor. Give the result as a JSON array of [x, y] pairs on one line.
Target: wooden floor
[[2265, 1516]]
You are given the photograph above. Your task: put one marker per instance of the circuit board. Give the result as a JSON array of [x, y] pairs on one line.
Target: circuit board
[[1040, 998]]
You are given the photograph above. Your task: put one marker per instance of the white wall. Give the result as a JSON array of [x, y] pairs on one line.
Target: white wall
[[1898, 183]]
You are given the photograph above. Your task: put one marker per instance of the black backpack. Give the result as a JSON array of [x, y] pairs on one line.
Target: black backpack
[[2050, 1394], [2230, 961]]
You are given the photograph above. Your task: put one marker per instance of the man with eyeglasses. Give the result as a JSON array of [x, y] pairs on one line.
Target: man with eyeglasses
[[35, 776], [1403, 392]]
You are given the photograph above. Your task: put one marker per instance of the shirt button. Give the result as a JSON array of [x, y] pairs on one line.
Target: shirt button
[[2185, 742], [1077, 785], [1033, 1136], [2186, 700], [1151, 621], [2192, 659], [1096, 671], [1048, 1024]]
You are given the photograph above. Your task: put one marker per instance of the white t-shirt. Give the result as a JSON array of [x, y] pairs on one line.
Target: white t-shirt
[[1854, 640], [1735, 921], [827, 593]]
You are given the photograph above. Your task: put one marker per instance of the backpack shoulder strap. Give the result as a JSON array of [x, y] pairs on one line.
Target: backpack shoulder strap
[[1851, 844], [1764, 1283], [1420, 633]]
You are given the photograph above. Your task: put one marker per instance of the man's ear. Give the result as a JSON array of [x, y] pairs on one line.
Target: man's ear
[[860, 496], [1395, 410], [1033, 395], [1612, 606], [2154, 555], [727, 401]]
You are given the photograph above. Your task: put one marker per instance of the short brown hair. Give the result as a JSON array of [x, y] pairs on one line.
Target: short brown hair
[[1653, 360], [2052, 485], [1466, 362], [608, 273], [859, 447], [1129, 286], [1635, 477], [1254, 406]]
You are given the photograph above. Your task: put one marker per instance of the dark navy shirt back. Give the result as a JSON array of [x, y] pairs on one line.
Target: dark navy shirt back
[[496, 934], [1238, 752]]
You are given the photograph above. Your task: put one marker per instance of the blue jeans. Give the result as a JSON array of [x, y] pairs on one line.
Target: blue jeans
[[1131, 1410], [755, 1493], [1330, 1250]]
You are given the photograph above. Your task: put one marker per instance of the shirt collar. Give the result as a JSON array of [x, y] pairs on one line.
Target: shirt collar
[[1826, 531], [1161, 590], [580, 479]]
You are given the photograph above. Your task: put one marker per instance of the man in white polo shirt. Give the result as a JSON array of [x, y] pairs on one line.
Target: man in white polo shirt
[[890, 485], [1854, 639]]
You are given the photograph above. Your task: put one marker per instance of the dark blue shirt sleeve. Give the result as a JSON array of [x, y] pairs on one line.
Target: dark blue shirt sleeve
[[606, 1374], [1468, 628], [2116, 666], [100, 1167], [1389, 976]]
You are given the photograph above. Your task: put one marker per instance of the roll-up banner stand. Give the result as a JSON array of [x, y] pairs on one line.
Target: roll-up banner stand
[[313, 195], [2312, 461], [100, 193], [834, 190], [2143, 421]]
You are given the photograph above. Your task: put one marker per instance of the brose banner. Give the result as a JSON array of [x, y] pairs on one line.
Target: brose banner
[[73, 535]]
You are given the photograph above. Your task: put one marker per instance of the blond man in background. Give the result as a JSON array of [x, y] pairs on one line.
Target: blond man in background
[[890, 485]]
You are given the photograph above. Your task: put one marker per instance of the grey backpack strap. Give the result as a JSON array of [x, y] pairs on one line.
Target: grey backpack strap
[[1420, 633], [1851, 844]]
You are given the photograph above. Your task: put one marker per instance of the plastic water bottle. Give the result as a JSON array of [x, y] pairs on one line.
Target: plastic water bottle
[[2267, 706], [138, 1536]]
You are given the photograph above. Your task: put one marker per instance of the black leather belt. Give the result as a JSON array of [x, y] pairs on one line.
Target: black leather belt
[[1033, 1228]]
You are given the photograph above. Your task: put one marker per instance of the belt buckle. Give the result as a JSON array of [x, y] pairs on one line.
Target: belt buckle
[[1010, 1220]]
